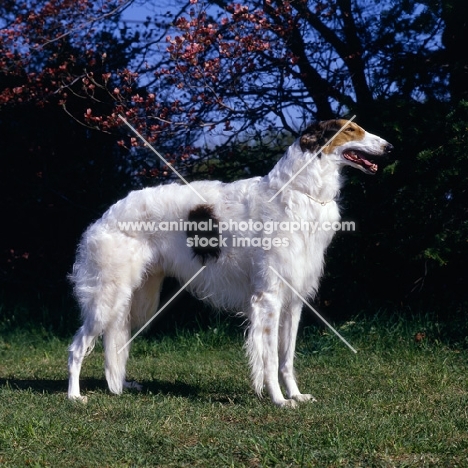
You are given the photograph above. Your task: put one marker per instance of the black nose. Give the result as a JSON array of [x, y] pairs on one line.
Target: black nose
[[388, 148]]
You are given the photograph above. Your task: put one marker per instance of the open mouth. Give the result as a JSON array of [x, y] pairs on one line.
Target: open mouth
[[358, 157]]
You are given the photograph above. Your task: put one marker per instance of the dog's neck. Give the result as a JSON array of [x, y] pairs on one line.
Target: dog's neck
[[309, 174]]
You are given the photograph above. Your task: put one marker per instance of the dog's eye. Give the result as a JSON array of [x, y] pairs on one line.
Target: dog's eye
[[349, 129]]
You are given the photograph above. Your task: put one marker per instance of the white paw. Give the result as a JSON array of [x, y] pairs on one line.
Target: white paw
[[287, 404], [78, 398], [302, 397], [133, 386]]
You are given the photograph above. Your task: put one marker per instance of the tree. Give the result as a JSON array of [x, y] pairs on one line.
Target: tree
[[256, 68], [455, 16], [434, 208], [232, 68], [249, 76], [57, 175]]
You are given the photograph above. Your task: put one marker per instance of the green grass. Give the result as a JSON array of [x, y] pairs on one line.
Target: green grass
[[397, 403]]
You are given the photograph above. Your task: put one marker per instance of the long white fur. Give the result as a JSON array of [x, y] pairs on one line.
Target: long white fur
[[118, 275]]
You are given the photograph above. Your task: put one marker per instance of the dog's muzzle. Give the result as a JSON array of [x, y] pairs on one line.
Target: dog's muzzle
[[388, 148]]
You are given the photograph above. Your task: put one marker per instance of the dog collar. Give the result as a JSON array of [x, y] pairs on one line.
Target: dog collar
[[323, 203]]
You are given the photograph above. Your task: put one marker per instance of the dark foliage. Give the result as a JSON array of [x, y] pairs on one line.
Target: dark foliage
[[61, 170]]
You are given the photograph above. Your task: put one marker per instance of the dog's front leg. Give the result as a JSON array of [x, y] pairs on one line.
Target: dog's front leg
[[262, 346], [287, 345]]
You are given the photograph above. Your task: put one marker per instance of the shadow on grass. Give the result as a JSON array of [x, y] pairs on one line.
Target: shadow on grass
[[40, 385], [154, 387], [176, 388]]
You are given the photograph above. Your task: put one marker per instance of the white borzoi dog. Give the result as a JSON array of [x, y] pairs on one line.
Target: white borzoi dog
[[119, 270]]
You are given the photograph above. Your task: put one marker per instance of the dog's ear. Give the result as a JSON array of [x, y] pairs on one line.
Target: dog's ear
[[317, 135], [309, 140]]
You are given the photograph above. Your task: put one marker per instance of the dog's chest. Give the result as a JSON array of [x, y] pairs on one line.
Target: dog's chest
[[323, 223]]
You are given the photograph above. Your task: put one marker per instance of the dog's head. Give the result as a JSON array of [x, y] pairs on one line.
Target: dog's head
[[346, 143]]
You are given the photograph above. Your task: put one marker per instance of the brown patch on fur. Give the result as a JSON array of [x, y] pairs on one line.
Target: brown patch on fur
[[318, 134], [205, 236], [267, 330]]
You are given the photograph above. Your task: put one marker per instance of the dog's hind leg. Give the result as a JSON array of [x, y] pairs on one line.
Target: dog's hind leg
[[82, 344], [130, 313], [145, 300], [105, 309], [144, 305], [287, 345]]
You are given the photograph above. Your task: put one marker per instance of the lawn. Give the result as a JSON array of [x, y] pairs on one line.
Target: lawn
[[398, 402]]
